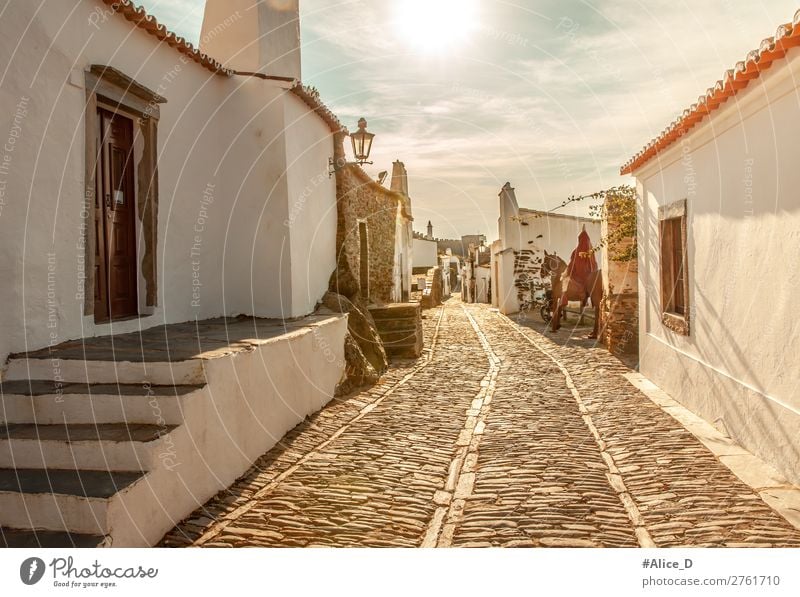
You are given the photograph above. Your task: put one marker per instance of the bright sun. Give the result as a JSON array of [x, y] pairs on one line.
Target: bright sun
[[435, 26]]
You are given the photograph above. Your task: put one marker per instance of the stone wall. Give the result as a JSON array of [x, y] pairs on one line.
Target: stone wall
[[621, 297], [433, 294], [527, 276], [361, 199]]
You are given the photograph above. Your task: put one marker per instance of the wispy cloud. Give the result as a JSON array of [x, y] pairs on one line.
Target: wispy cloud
[[553, 99]]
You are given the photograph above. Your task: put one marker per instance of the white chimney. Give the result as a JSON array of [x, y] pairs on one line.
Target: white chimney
[[261, 36], [509, 224], [399, 178]]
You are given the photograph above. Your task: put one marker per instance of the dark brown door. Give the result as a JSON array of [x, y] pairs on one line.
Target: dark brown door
[[363, 260], [115, 220]]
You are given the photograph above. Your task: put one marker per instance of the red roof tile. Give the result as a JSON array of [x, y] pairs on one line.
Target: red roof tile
[[311, 98], [734, 80], [139, 17]]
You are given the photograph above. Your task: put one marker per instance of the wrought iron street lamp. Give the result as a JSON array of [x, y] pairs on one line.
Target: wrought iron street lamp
[[362, 142], [362, 146]]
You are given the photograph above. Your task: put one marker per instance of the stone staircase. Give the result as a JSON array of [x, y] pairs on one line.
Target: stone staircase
[[400, 328], [87, 464], [111, 441]]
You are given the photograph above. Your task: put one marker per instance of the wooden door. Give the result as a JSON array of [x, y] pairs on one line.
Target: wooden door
[[363, 260], [116, 295]]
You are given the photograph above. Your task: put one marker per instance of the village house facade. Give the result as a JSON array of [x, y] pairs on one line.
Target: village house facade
[[212, 155], [718, 221], [374, 244], [525, 234]]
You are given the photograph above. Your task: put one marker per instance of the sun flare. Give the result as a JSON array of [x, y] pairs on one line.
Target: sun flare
[[435, 26]]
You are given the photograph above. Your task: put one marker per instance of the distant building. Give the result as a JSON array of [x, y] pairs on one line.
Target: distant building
[[525, 234], [460, 246], [424, 255]]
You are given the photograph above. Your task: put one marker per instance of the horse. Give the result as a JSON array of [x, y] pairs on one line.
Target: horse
[[564, 288]]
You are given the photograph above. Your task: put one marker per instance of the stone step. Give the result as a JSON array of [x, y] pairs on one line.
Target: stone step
[[28, 539], [102, 447], [47, 402], [399, 337], [80, 502], [106, 371], [397, 324], [403, 310]]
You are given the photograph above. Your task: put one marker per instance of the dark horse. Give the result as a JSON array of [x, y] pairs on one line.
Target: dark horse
[[566, 288]]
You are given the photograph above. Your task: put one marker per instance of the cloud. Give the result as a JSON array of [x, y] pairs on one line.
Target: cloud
[[553, 100]]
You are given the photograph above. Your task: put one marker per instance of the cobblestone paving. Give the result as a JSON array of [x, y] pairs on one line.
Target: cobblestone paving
[[685, 495], [541, 479], [497, 436]]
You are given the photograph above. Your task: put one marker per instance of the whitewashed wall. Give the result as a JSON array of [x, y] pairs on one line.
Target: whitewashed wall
[[559, 233], [403, 256], [482, 280], [312, 205], [738, 368], [229, 135], [424, 253]]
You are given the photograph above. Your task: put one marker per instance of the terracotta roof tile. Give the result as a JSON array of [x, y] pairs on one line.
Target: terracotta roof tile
[[139, 17], [311, 98], [733, 81]]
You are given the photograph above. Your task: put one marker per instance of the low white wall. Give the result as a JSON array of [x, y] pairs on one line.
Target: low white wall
[[256, 397], [738, 367], [424, 253], [251, 401]]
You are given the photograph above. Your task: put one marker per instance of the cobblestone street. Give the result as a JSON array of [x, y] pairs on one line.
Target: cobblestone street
[[497, 436]]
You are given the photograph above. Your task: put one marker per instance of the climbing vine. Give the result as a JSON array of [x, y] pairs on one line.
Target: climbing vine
[[619, 210]]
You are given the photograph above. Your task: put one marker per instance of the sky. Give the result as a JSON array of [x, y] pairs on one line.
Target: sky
[[550, 95]]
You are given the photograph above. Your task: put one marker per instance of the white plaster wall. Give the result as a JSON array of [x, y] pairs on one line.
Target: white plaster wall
[[559, 233], [482, 279], [507, 293], [401, 272], [312, 205], [223, 134], [408, 252], [738, 368], [424, 253], [252, 242], [496, 248]]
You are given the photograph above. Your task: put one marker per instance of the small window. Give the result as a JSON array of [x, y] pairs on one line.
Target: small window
[[674, 278]]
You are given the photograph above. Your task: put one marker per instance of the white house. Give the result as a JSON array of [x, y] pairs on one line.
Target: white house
[[143, 184], [719, 273], [524, 236], [404, 235], [425, 254]]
